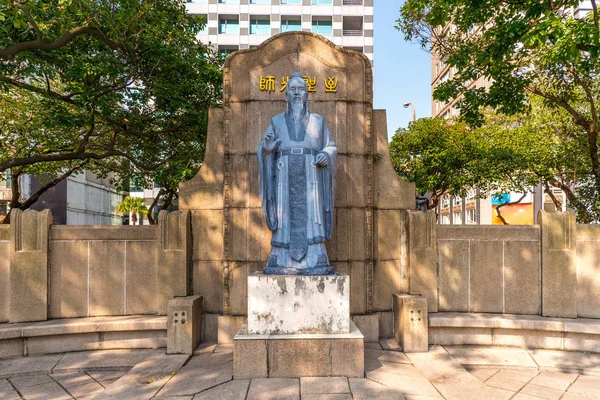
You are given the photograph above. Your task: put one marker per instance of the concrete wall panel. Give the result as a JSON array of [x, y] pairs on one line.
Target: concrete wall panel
[[107, 272], [453, 275]]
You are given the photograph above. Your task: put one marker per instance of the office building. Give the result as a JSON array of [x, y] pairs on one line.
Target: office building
[[242, 24]]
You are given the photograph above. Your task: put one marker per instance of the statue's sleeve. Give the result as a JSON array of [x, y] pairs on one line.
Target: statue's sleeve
[[328, 179], [266, 180]]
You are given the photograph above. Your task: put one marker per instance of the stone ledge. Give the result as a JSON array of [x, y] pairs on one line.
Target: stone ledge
[[94, 333], [525, 331]]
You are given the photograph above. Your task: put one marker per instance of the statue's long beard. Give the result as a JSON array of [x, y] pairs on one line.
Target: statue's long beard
[[298, 111]]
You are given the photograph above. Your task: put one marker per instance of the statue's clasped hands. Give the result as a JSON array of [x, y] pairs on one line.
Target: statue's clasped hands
[[270, 145]]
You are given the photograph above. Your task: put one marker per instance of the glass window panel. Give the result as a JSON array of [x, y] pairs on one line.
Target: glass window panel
[[291, 1], [322, 2], [229, 26], [322, 27], [260, 27], [260, 1], [290, 25]]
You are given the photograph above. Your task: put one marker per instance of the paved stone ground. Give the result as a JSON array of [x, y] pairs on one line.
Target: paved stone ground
[[461, 373]]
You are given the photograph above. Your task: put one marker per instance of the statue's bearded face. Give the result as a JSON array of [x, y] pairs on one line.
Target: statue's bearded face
[[296, 94]]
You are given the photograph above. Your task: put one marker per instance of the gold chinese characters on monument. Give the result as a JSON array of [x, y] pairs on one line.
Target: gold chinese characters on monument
[[267, 83]]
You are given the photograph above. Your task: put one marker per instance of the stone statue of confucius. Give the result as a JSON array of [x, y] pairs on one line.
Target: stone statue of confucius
[[296, 159]]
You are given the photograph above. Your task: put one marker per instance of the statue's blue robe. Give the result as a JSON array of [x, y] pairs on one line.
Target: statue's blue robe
[[297, 196]]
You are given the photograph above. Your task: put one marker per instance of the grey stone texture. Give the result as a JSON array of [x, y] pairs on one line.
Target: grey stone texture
[[29, 265], [559, 272], [174, 256], [184, 325]]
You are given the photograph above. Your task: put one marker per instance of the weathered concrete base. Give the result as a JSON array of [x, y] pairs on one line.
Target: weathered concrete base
[[184, 325], [410, 322], [291, 304], [262, 356], [369, 326]]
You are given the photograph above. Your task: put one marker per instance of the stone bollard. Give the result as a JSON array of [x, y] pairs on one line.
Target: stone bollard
[[184, 324], [29, 265], [411, 323]]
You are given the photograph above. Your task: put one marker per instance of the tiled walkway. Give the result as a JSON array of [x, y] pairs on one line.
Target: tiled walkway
[[460, 373]]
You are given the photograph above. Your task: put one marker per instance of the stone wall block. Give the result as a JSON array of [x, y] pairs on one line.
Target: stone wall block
[[174, 256], [387, 234], [107, 267], [421, 244], [29, 265], [389, 279], [521, 277], [207, 228], [559, 272], [5, 278], [486, 276], [453, 275], [588, 277], [68, 279], [208, 282]]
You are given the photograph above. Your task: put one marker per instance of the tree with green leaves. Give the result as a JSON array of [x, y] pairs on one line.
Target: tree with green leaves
[[118, 88], [133, 205], [525, 50]]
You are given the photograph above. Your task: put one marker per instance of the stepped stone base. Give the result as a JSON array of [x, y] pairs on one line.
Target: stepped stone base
[[292, 356]]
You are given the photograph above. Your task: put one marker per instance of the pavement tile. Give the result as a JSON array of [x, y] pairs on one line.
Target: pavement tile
[[234, 390], [274, 389], [327, 396], [314, 385], [521, 375], [22, 382], [205, 347], [419, 397], [522, 396], [581, 388], [574, 396], [373, 346], [146, 378], [567, 360], [383, 355], [496, 356], [503, 383], [104, 359], [199, 374], [101, 376], [68, 379], [593, 381], [224, 348], [554, 380], [44, 392], [87, 389], [542, 392], [482, 373], [405, 384], [365, 389], [397, 368], [451, 379], [390, 345], [29, 365], [7, 392]]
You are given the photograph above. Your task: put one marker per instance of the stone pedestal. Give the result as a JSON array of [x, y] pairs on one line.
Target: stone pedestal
[[292, 304], [292, 356], [298, 326]]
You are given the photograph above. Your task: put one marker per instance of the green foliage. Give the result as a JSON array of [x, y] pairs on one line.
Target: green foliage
[[134, 205], [534, 56], [125, 86]]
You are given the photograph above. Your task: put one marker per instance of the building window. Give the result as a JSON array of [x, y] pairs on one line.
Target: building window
[[229, 26], [352, 26], [445, 201], [230, 1], [359, 49], [471, 216], [470, 196], [197, 1], [352, 2], [456, 218], [322, 27], [457, 200], [225, 51], [291, 1], [205, 21], [260, 1], [260, 27], [290, 25], [445, 220], [321, 2]]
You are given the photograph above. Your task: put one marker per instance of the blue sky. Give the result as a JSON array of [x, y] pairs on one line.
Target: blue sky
[[402, 70]]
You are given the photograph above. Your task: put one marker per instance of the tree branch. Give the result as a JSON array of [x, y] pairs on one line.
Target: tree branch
[[548, 191], [35, 27], [35, 89], [35, 197], [508, 203], [10, 52]]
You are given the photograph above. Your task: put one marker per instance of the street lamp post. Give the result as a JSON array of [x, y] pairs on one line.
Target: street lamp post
[[414, 113]]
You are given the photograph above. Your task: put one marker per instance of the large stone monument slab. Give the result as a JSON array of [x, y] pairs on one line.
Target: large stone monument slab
[[292, 304]]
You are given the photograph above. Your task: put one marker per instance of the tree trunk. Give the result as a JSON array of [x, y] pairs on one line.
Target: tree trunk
[[133, 218], [151, 217], [16, 195]]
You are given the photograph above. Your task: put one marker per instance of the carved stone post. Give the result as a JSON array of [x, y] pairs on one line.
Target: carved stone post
[[29, 265], [174, 256], [559, 272], [421, 254]]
